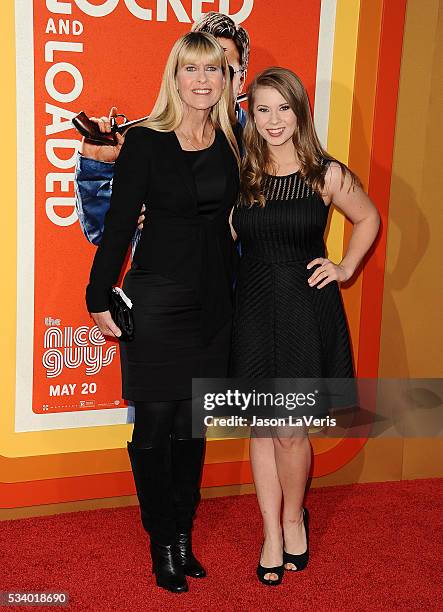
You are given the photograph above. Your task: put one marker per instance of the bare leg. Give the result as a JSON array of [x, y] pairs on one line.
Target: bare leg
[[269, 496], [293, 461]]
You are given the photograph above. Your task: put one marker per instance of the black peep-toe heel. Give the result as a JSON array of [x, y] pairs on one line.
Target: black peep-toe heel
[[262, 571], [300, 561]]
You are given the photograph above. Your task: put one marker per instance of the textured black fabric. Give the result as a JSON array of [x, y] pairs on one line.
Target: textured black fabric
[[282, 326], [168, 349], [210, 183], [176, 242]]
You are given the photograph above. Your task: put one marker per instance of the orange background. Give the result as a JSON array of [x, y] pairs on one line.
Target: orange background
[[383, 121]]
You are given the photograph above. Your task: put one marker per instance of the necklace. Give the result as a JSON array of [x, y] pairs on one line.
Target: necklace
[[193, 145]]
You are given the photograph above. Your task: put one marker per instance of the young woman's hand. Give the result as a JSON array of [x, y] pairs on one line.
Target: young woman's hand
[[105, 324], [326, 272], [104, 153]]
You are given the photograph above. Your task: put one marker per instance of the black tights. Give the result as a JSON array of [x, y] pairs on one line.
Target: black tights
[[156, 422]]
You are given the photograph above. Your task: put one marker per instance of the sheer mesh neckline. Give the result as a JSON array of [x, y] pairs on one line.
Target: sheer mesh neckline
[[287, 187]]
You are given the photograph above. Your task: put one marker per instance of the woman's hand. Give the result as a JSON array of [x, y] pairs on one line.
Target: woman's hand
[[141, 218], [104, 153], [326, 272], [105, 324], [233, 232]]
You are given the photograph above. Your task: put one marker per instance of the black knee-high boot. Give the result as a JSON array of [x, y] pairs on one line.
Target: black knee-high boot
[[187, 465], [152, 470]]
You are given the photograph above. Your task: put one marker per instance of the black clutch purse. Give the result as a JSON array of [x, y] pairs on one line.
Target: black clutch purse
[[120, 307]]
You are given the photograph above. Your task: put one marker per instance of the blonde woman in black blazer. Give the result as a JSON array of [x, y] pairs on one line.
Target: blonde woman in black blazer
[[183, 162]]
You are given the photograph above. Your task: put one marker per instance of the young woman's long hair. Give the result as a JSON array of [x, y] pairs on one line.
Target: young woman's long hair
[[167, 113], [311, 155]]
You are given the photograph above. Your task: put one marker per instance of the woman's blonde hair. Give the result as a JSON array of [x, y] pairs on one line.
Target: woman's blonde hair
[[311, 155], [167, 113]]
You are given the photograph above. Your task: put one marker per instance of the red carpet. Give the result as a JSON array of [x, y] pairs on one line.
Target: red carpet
[[373, 547]]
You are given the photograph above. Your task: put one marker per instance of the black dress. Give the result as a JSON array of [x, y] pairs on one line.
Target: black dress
[[283, 327], [168, 350], [176, 242]]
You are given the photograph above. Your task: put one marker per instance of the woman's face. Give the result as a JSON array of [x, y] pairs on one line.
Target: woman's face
[[200, 85], [274, 118]]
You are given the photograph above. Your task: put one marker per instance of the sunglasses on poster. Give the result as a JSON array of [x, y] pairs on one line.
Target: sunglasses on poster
[[233, 72]]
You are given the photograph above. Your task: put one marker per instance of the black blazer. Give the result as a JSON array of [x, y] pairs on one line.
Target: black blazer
[[176, 241]]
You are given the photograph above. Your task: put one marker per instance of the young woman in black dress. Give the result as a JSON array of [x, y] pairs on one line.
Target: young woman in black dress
[[289, 320], [184, 164]]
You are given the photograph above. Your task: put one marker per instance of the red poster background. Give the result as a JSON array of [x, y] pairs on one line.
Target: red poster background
[[121, 64]]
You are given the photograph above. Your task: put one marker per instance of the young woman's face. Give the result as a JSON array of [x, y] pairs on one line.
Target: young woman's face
[[200, 85], [274, 118]]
